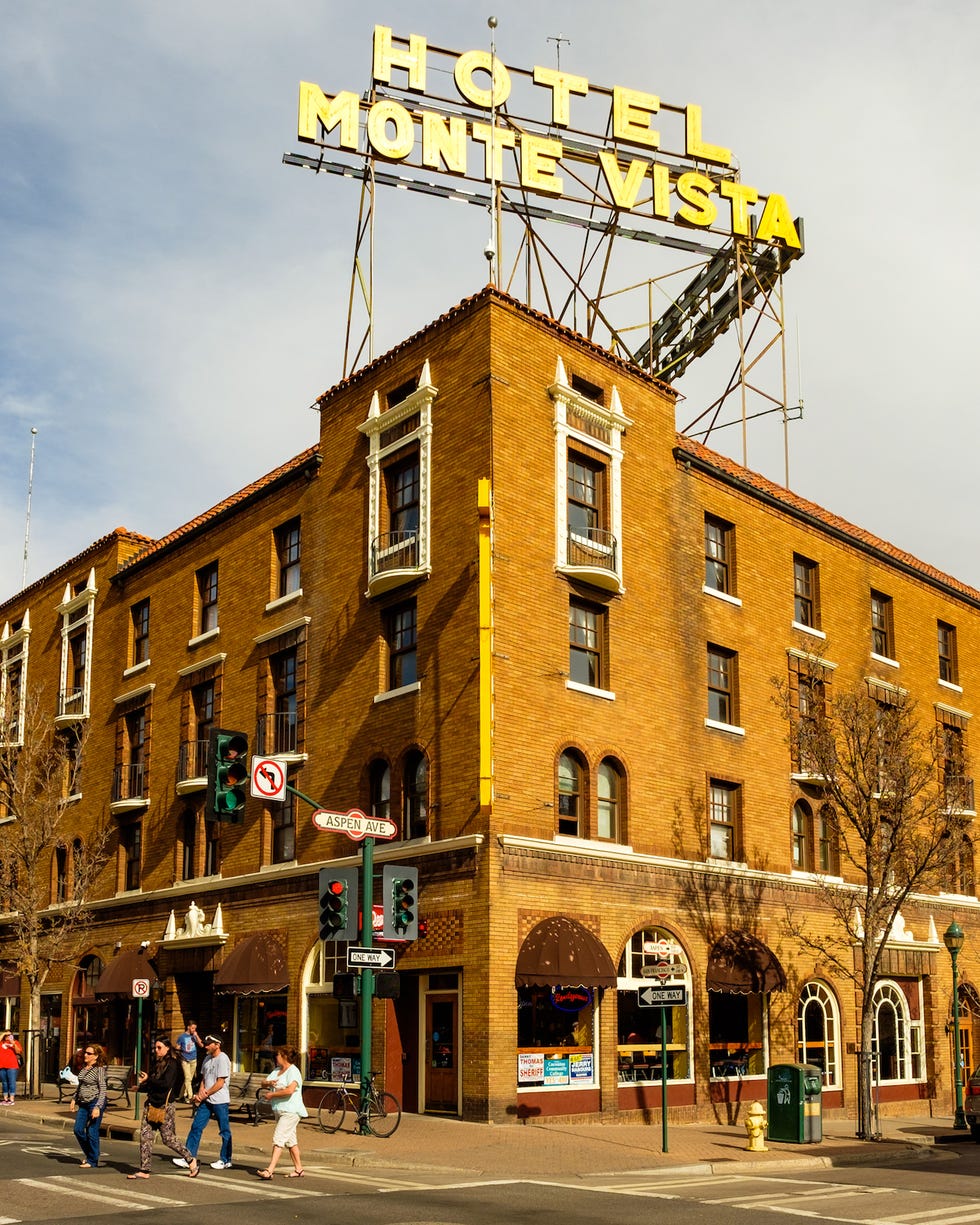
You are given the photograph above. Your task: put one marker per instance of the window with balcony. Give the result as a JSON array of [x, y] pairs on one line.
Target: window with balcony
[[131, 783], [806, 593], [719, 555], [282, 717], [948, 664], [588, 466], [722, 686], [724, 820], [399, 467], [140, 649], [77, 611], [13, 678], [882, 626], [415, 796], [401, 638], [287, 543], [587, 645], [207, 599]]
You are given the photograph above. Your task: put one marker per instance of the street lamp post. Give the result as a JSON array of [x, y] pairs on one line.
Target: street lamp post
[[953, 939]]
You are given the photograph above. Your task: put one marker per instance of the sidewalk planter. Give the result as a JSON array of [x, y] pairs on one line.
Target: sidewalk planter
[[793, 1105]]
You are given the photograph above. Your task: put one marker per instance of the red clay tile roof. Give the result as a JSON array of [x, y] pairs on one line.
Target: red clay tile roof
[[232, 503], [799, 507], [117, 535]]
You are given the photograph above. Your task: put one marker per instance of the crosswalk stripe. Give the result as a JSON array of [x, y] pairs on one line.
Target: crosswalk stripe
[[118, 1199]]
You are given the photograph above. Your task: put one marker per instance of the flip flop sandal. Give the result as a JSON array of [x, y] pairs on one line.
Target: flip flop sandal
[[296, 1174], [194, 1168], [265, 1174], [138, 1174]]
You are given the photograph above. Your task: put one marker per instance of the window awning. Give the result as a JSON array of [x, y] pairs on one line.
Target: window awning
[[560, 952], [118, 976], [255, 966], [740, 964]]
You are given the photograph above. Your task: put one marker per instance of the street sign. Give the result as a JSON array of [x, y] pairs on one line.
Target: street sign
[[382, 959], [355, 824], [268, 778], [661, 997], [663, 969], [141, 988]]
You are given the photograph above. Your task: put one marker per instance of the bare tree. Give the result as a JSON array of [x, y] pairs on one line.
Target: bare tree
[[891, 792], [47, 868]]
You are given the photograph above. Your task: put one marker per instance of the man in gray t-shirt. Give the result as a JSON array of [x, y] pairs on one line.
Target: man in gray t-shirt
[[211, 1102]]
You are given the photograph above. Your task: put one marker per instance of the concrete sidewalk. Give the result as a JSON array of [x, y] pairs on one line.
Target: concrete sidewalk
[[543, 1149]]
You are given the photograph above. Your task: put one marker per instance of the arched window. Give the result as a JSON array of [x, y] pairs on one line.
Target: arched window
[[897, 1038], [825, 840], [818, 1032], [571, 794], [77, 866], [415, 796], [379, 786], [609, 812], [639, 1037], [61, 874]]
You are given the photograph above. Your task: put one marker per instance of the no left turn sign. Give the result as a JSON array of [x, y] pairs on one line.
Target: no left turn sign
[[268, 778]]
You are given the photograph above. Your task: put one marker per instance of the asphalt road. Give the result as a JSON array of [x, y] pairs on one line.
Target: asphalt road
[[40, 1181]]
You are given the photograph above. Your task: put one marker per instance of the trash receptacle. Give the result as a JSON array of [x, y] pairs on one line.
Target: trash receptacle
[[812, 1103], [785, 1102]]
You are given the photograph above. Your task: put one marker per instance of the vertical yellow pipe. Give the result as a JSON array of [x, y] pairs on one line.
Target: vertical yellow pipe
[[486, 647]]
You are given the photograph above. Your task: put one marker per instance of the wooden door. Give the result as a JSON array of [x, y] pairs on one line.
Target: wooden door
[[442, 1052]]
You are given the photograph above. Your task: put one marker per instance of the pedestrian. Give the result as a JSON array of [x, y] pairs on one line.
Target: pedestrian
[[10, 1061], [89, 1103], [158, 1113], [211, 1100], [191, 1047], [284, 1089]]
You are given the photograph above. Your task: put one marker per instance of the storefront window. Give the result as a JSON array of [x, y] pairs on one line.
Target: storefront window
[[653, 958], [817, 1030], [261, 1027], [331, 1025], [736, 1028], [897, 1038], [556, 1037]]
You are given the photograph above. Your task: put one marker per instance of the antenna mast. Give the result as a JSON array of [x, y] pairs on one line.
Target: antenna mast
[[30, 488]]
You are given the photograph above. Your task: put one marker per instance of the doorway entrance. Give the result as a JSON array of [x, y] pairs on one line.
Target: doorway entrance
[[441, 1051]]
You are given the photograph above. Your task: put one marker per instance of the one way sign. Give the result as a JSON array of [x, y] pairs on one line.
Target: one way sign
[[660, 997], [379, 959]]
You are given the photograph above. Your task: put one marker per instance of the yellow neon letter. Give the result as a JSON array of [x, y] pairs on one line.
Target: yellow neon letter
[[444, 142], [561, 85], [631, 116], [538, 157], [385, 111], [387, 57], [503, 138], [315, 108], [480, 61], [695, 189], [624, 190], [776, 222], [741, 196], [699, 148]]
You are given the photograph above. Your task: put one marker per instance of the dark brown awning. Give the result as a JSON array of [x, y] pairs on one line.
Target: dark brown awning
[[127, 965], [255, 966], [741, 964], [559, 952], [9, 983]]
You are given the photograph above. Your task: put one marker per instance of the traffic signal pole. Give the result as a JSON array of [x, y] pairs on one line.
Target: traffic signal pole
[[367, 977]]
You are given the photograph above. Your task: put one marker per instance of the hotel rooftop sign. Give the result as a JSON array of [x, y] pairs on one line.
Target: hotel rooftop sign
[[618, 148]]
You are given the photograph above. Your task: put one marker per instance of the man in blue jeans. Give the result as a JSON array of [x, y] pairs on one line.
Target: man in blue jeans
[[211, 1102]]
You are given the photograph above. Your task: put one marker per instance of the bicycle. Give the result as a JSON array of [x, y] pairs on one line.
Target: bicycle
[[381, 1115]]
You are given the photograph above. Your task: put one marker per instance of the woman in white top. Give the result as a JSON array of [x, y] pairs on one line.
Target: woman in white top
[[284, 1089]]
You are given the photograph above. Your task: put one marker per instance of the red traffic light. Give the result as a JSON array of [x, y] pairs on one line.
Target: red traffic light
[[336, 887]]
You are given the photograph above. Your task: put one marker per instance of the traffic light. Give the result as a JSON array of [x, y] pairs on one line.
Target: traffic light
[[338, 903], [227, 775], [344, 986], [400, 886]]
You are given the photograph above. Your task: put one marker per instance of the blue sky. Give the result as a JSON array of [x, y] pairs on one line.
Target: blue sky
[[174, 298]]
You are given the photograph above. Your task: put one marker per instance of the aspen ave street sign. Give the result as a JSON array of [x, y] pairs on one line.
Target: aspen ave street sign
[[660, 997], [378, 959], [355, 824]]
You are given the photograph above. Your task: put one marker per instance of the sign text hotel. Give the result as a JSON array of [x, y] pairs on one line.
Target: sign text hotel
[[706, 195]]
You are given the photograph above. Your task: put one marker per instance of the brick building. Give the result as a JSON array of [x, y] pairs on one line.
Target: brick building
[[503, 602]]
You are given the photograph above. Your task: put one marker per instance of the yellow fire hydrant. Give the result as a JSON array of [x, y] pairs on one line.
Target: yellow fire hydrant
[[755, 1126]]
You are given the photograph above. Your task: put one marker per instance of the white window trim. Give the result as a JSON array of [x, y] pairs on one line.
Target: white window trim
[[884, 659], [14, 651], [284, 599], [721, 595], [205, 637], [616, 423], [808, 629], [950, 685], [377, 422], [578, 687], [732, 728], [388, 694], [140, 667]]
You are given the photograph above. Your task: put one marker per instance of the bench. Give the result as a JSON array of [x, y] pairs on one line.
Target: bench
[[117, 1085], [243, 1088]]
